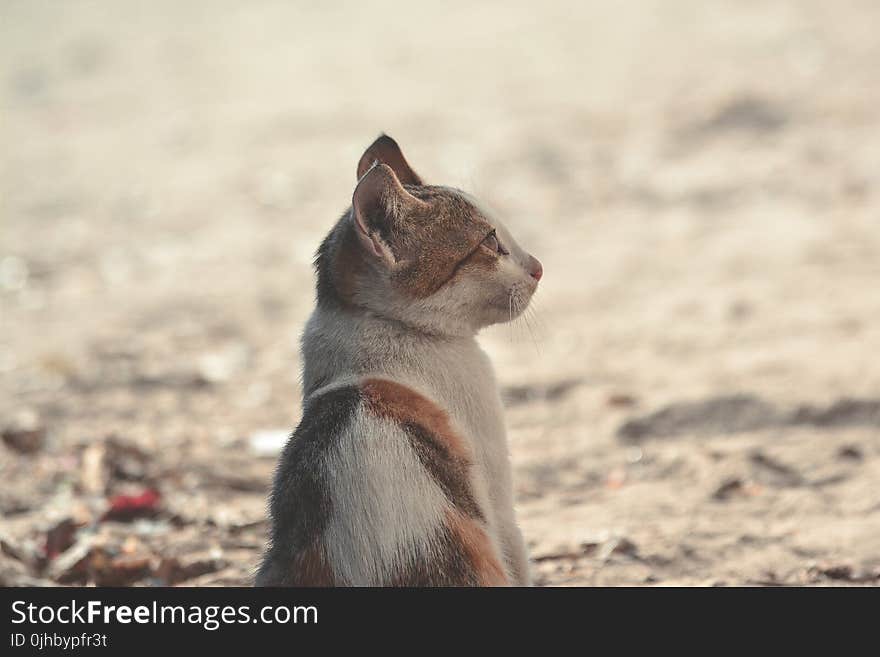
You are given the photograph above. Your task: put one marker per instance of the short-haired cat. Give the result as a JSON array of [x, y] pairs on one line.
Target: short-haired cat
[[398, 473]]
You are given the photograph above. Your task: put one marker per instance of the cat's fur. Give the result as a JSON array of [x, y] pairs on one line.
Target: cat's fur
[[398, 473]]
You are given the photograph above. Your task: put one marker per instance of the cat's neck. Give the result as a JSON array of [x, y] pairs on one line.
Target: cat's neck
[[339, 343]]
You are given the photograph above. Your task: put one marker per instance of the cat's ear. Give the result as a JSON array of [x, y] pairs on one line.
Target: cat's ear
[[386, 151], [380, 204]]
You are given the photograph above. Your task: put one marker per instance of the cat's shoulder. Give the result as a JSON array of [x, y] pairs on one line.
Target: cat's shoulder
[[374, 402]]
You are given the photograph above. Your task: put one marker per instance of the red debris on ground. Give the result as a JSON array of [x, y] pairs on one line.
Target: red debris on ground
[[129, 507]]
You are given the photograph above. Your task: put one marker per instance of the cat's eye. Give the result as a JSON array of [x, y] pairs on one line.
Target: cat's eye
[[491, 242]]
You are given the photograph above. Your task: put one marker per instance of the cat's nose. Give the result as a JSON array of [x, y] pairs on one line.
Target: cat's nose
[[535, 268]]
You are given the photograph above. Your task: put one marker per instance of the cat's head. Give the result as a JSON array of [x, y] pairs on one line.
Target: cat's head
[[424, 255]]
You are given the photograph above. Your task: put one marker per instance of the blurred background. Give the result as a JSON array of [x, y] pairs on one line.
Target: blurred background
[[697, 399]]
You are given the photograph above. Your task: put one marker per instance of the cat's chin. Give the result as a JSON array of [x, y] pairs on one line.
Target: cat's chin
[[507, 308]]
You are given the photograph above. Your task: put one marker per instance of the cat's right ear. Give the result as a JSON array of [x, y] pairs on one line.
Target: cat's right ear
[[379, 207]]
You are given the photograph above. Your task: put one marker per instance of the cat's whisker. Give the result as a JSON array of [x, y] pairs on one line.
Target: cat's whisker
[[514, 336], [522, 327], [536, 318], [510, 316], [531, 332], [523, 317], [537, 321], [514, 319]]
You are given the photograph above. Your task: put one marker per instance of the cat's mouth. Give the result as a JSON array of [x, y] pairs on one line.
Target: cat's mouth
[[511, 305]]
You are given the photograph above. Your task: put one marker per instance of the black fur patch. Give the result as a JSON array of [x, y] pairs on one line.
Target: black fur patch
[[448, 565], [299, 505], [326, 292], [450, 472]]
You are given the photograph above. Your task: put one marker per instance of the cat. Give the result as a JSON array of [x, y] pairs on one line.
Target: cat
[[398, 473]]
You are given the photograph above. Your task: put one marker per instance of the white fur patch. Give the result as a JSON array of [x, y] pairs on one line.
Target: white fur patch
[[385, 505]]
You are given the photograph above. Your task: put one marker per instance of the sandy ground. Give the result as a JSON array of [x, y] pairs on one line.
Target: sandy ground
[[698, 398]]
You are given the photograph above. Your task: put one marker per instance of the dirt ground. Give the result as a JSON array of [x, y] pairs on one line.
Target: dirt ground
[[697, 401]]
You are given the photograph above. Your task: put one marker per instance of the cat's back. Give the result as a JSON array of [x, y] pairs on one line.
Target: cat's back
[[373, 488]]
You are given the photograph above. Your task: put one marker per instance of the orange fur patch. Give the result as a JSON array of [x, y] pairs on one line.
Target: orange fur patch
[[311, 568], [434, 240], [478, 548], [397, 402], [442, 452]]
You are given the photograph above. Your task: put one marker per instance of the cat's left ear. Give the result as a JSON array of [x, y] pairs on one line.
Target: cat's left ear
[[386, 151], [380, 205]]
